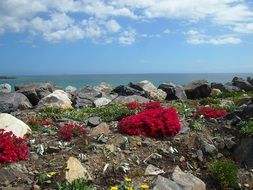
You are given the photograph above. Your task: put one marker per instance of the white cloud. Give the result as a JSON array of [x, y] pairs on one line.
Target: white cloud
[[167, 31], [198, 37], [127, 37], [57, 20]]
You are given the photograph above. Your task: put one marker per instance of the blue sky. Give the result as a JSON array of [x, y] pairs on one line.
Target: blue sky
[[125, 36]]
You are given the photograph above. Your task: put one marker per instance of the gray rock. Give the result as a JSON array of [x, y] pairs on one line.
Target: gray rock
[[127, 99], [70, 89], [94, 121], [206, 146], [35, 91], [128, 91], [225, 87], [250, 80], [86, 97], [197, 89], [187, 181], [229, 142], [246, 113], [173, 91], [102, 128], [5, 88], [10, 102], [163, 183], [200, 155], [104, 87], [153, 171], [102, 101], [242, 84], [243, 153]]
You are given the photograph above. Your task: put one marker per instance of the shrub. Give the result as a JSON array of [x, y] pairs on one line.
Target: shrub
[[246, 128], [158, 123], [68, 131], [12, 148], [78, 184], [210, 112], [209, 101], [225, 173]]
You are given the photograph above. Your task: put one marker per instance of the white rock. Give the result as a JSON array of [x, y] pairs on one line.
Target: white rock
[[152, 170], [102, 102], [10, 123], [5, 88], [215, 92], [75, 170], [154, 93], [58, 98], [70, 89]]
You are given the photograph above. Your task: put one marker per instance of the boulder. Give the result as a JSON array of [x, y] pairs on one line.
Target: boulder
[[128, 91], [173, 91], [246, 113], [250, 80], [94, 121], [187, 181], [225, 87], [163, 183], [5, 88], [152, 91], [58, 98], [75, 170], [102, 101], [243, 153], [151, 170], [215, 92], [86, 97], [10, 123], [197, 89], [102, 128], [133, 98], [104, 87], [10, 102], [242, 84], [70, 89], [35, 91]]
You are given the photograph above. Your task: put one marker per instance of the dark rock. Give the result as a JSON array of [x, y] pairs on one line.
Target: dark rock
[[250, 80], [173, 91], [197, 89], [128, 91], [135, 86], [242, 84], [225, 87], [94, 121], [246, 113], [35, 91], [244, 152], [86, 97], [10, 102]]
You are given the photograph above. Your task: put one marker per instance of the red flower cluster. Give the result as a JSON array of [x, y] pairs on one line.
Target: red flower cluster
[[68, 131], [158, 123], [44, 122], [12, 148], [149, 105], [210, 112]]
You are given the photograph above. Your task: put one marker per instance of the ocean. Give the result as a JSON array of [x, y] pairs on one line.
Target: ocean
[[123, 79]]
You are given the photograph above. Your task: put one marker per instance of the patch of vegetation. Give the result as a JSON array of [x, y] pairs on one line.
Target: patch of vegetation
[[225, 173], [246, 128], [209, 101], [196, 125], [113, 112], [78, 184]]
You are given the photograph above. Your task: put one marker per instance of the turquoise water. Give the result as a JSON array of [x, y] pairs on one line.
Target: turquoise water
[[118, 79]]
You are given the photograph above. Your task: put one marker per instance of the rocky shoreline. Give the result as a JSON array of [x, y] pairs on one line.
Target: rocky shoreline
[[106, 156]]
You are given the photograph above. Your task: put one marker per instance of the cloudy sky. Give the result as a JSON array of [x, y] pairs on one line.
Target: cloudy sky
[[125, 36]]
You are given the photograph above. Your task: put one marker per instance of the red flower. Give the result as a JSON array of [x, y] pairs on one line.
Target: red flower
[[210, 112], [12, 148], [152, 121], [68, 131], [142, 106]]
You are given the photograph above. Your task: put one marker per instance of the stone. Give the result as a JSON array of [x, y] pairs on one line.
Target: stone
[[86, 97], [197, 89], [102, 128], [229, 142], [163, 183], [153, 171], [75, 170], [10, 123], [152, 91], [242, 84], [243, 153], [246, 113], [94, 121], [128, 91], [246, 100], [35, 91], [225, 87], [206, 147], [174, 92], [187, 181], [10, 102], [102, 101], [5, 88], [250, 80], [58, 98], [133, 98], [104, 87], [215, 92], [200, 155], [70, 89]]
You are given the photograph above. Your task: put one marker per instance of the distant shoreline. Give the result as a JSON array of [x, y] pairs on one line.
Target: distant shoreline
[[7, 77]]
